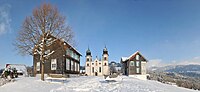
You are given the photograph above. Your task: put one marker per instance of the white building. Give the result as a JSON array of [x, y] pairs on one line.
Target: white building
[[98, 67]]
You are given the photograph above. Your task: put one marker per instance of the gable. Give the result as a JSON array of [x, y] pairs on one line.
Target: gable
[[135, 56]]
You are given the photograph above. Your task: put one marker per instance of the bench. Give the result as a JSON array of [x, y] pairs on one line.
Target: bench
[[57, 77]]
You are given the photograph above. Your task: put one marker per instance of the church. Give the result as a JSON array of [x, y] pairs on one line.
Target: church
[[97, 67]]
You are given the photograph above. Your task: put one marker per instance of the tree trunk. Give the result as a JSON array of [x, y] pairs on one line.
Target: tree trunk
[[42, 58], [42, 72]]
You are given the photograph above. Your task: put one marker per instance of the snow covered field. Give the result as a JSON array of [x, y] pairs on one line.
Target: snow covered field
[[91, 84]]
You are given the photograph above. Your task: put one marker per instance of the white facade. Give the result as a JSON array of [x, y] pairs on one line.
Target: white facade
[[98, 67]]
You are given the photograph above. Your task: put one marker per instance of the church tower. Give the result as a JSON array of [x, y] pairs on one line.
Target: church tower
[[88, 62], [105, 61]]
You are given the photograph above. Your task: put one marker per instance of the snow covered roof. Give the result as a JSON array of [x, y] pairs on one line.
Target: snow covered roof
[[73, 48], [133, 55], [124, 59], [61, 40], [67, 43]]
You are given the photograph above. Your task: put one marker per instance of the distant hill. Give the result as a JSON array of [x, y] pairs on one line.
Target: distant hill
[[116, 64], [185, 70]]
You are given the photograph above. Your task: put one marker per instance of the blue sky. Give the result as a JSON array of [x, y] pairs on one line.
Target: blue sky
[[163, 30]]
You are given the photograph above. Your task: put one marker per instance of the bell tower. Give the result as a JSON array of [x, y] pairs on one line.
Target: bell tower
[[105, 61], [88, 62]]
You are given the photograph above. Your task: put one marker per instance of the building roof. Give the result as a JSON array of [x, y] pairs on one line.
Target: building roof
[[123, 59], [73, 48], [88, 52], [64, 42]]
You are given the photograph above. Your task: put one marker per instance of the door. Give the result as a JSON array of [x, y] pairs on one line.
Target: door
[[96, 74]]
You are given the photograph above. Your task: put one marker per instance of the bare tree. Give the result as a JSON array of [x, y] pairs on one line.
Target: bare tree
[[44, 21]]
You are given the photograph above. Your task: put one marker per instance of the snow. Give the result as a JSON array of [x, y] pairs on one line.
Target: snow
[[2, 81], [139, 76], [124, 59], [89, 84]]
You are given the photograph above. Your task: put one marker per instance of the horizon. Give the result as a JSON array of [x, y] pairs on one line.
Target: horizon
[[165, 32]]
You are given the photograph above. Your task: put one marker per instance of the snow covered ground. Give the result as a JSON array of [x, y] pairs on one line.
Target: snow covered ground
[[2, 81], [91, 84]]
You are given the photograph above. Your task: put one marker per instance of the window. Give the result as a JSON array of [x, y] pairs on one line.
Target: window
[[53, 64], [67, 63], [105, 64], [38, 66], [99, 69], [75, 56], [72, 54], [132, 63], [78, 58], [88, 64], [72, 65], [87, 59], [92, 63], [137, 57], [105, 58], [67, 52], [99, 63], [137, 63], [92, 69], [137, 70], [75, 66], [78, 66]]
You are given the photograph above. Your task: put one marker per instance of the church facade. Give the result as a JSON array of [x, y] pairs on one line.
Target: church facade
[[97, 67]]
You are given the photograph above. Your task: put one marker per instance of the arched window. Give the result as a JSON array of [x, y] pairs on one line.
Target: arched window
[[99, 69], [105, 58], [105, 64]]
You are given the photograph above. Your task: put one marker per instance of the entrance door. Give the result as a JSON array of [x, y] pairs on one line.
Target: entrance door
[[96, 74]]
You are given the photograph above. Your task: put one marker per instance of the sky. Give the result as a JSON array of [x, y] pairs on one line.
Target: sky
[[164, 31]]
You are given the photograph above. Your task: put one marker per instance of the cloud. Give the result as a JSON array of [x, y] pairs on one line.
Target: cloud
[[156, 63], [161, 63], [195, 61], [5, 18]]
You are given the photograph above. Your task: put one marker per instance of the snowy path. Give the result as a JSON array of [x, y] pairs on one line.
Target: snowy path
[[90, 84]]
